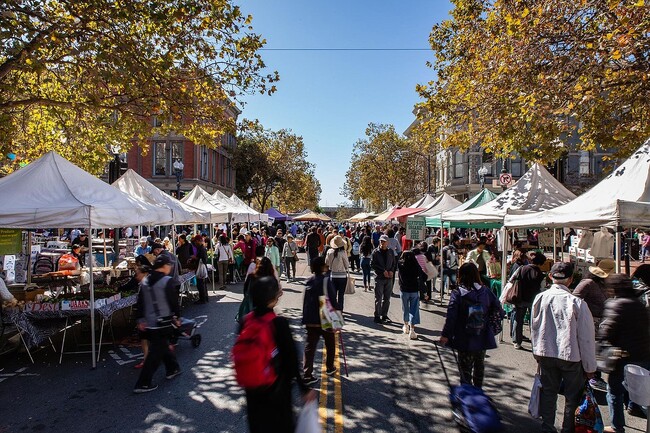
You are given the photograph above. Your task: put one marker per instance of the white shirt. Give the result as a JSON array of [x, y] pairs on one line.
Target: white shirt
[[562, 327]]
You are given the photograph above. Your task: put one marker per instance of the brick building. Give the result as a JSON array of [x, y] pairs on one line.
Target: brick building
[[210, 168]]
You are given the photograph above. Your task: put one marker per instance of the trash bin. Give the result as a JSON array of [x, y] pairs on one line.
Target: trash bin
[[637, 382]]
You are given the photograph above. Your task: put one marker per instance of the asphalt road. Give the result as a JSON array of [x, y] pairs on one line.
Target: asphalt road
[[394, 384]]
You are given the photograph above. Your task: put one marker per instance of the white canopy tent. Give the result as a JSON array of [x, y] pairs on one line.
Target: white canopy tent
[[136, 186], [53, 192], [424, 202], [443, 203], [536, 190], [255, 215], [239, 213], [201, 199], [621, 199]]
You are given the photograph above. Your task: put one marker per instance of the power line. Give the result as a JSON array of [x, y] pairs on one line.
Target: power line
[[345, 49]]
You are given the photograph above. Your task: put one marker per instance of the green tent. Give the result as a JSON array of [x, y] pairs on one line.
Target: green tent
[[478, 200]]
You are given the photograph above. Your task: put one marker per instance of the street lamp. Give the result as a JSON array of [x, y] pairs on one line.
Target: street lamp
[[178, 170], [249, 191], [481, 176]]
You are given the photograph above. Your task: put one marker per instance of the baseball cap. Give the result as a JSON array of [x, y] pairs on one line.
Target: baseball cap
[[143, 239], [161, 261], [561, 270], [383, 238]]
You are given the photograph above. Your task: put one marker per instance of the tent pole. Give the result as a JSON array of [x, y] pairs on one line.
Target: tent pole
[[105, 257], [92, 297], [504, 258], [554, 244], [213, 250], [29, 257], [617, 253]]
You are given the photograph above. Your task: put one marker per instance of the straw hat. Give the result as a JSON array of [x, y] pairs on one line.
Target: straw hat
[[337, 242], [604, 268]]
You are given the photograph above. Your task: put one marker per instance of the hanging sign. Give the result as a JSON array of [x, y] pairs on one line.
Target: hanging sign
[[11, 241], [415, 229]]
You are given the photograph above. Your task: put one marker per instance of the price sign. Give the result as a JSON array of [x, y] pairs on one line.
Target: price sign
[[505, 179]]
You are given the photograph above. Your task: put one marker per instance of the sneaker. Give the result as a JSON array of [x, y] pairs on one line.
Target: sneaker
[[310, 380], [636, 411], [140, 365], [517, 346], [172, 375], [413, 335], [377, 319], [144, 388], [405, 329], [331, 372], [598, 384], [386, 319]]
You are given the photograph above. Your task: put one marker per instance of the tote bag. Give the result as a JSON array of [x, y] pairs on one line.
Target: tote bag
[[330, 319], [535, 397], [349, 286], [202, 271]]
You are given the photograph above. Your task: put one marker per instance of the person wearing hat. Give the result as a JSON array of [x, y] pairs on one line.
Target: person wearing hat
[[625, 325], [157, 309], [383, 263], [530, 279], [143, 248], [563, 338], [592, 288], [337, 261]]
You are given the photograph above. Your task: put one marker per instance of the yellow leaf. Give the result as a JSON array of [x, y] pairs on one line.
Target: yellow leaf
[[526, 11], [616, 55], [639, 3]]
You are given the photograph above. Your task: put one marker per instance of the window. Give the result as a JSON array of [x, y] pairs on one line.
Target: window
[[488, 162], [223, 170], [165, 154], [585, 163], [203, 162], [156, 122], [458, 164], [214, 166], [229, 172], [516, 167]]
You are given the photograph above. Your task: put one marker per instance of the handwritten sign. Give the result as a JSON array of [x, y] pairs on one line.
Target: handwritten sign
[[415, 229], [11, 241]]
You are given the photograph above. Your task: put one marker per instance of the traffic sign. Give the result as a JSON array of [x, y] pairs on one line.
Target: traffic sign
[[505, 179]]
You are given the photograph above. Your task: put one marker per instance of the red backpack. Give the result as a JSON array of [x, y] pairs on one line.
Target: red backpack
[[254, 351]]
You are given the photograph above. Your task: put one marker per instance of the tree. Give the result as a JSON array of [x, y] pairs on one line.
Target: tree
[[522, 76], [344, 212], [274, 165], [84, 76], [384, 166]]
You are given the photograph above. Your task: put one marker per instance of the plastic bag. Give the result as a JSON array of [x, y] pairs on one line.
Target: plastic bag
[[308, 419], [587, 416], [535, 397]]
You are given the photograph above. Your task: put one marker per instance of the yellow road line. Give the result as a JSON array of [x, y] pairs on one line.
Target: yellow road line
[[322, 407], [338, 396]]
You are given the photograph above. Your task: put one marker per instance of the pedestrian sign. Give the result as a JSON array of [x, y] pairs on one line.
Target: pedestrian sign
[[505, 179]]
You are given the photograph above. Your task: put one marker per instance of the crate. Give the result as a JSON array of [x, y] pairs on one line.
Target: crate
[[30, 295]]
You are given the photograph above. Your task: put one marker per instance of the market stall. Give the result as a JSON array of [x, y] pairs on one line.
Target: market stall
[[312, 216], [415, 224], [52, 192]]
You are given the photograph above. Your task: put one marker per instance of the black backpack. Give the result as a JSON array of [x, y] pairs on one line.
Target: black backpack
[[476, 317]]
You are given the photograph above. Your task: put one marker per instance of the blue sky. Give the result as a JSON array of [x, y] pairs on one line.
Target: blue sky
[[329, 97]]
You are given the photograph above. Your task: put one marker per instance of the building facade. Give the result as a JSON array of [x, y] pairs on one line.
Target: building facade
[[211, 169]]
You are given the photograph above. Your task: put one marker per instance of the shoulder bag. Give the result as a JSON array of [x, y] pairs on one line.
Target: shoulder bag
[[349, 286], [511, 292], [202, 271], [330, 319]]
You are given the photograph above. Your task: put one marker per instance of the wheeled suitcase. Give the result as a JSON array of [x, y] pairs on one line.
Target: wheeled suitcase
[[472, 410]]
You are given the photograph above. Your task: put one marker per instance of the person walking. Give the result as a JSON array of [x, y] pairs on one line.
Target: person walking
[[411, 278], [355, 259], [383, 263], [530, 281], [290, 256], [225, 259], [449, 266], [157, 309], [365, 251], [312, 244], [311, 320], [466, 328], [273, 253], [562, 334], [199, 256], [280, 241], [270, 409], [625, 325], [480, 256], [337, 262]]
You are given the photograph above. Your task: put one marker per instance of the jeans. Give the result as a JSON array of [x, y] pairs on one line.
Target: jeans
[[339, 285], [313, 335], [411, 307], [289, 264], [472, 367], [517, 317], [450, 274], [365, 267], [383, 292], [553, 371]]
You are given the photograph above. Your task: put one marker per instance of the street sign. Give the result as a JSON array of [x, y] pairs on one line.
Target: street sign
[[505, 179]]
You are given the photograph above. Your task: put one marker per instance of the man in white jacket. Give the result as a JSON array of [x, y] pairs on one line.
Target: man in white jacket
[[562, 334]]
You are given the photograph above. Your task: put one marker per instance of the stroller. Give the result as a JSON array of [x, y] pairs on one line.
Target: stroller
[[472, 410], [186, 331]]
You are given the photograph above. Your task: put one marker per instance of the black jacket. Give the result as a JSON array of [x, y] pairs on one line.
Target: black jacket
[[310, 303], [530, 283], [184, 252], [626, 325], [410, 276], [382, 260]]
